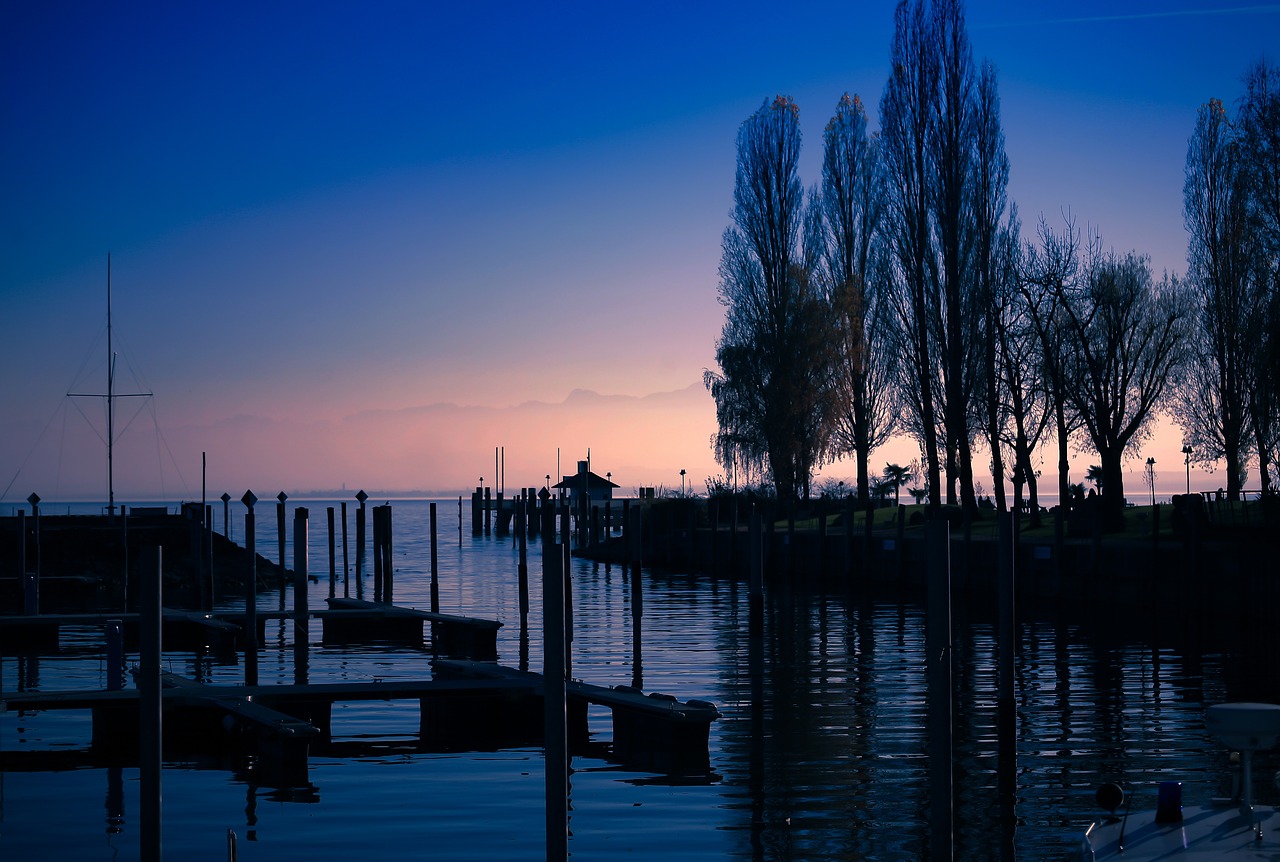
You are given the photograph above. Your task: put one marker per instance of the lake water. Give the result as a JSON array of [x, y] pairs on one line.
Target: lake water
[[830, 764]]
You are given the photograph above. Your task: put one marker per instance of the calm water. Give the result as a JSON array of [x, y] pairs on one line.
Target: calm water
[[832, 765]]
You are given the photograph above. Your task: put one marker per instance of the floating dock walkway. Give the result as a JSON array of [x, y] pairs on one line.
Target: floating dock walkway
[[345, 621], [467, 706]]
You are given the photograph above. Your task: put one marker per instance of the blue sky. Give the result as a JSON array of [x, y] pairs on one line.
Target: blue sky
[[318, 211]]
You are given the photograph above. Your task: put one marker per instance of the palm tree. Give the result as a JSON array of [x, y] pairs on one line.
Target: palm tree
[[897, 476], [1094, 475]]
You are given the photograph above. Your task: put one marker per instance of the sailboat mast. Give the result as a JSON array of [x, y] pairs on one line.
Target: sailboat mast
[[111, 374]]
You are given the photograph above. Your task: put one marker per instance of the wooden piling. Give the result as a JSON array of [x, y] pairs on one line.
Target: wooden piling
[[435, 576], [150, 720], [115, 654], [280, 543], [938, 660], [522, 567], [377, 553], [333, 559], [388, 564], [301, 613], [251, 593], [346, 562], [555, 715], [361, 496], [1007, 719]]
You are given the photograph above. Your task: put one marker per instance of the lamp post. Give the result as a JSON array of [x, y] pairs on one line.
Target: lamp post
[[682, 482], [1186, 457], [1151, 479]]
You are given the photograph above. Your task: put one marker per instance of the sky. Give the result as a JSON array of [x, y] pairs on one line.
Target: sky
[[370, 245]]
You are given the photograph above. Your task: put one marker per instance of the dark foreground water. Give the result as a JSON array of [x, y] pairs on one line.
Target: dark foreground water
[[832, 764]]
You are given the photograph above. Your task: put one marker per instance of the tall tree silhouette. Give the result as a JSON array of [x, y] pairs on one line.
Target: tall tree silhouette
[[844, 242], [1215, 397], [773, 399]]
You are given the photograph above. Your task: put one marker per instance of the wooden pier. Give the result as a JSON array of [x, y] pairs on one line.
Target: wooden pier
[[345, 621], [467, 706], [655, 731]]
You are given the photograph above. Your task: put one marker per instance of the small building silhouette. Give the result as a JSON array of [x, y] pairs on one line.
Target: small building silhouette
[[587, 483]]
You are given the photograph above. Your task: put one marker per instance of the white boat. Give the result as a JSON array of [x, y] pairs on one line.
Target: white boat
[[1234, 830]]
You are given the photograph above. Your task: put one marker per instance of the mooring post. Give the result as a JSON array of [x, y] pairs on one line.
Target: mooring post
[[251, 592], [301, 612], [377, 553], [388, 565], [522, 567], [488, 514], [938, 648], [435, 569], [226, 515], [361, 496], [22, 549], [346, 562], [1007, 754], [555, 715], [150, 720], [282, 496], [567, 593], [333, 557], [115, 655], [34, 500]]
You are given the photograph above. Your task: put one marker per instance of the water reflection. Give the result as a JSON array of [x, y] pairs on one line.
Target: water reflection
[[821, 753]]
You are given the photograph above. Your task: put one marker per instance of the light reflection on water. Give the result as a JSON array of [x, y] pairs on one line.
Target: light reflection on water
[[832, 765]]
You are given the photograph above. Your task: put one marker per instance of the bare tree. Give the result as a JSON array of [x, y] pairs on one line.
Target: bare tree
[[1215, 394], [772, 393], [1050, 274], [1259, 135], [907, 121], [1129, 338], [952, 178], [843, 244], [991, 180]]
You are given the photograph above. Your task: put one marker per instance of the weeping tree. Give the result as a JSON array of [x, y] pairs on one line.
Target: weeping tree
[[774, 401]]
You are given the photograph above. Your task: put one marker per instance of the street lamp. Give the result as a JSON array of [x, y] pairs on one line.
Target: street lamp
[[1151, 479], [682, 482], [1186, 456]]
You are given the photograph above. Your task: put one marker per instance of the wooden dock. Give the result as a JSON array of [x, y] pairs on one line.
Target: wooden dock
[[467, 706], [655, 731], [345, 621]]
